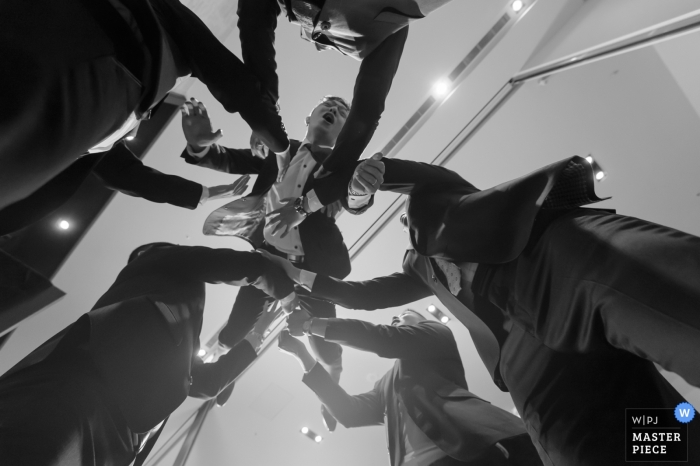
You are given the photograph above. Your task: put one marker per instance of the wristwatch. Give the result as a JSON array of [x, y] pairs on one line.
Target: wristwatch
[[299, 206], [306, 326]]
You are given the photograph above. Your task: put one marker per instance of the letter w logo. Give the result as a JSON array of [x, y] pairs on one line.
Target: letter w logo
[[684, 412]]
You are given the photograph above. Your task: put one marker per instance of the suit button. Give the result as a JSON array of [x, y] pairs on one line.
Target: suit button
[[325, 25], [298, 186]]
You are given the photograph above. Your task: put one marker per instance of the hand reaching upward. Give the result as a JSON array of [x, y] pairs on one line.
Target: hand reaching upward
[[197, 126]]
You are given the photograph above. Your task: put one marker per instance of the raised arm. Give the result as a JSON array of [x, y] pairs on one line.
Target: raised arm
[[392, 290], [209, 265], [120, 170], [369, 96], [209, 379], [257, 21], [366, 409], [425, 340], [228, 79], [351, 411]]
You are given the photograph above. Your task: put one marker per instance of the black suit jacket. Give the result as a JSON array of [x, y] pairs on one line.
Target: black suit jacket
[[144, 331], [428, 379], [324, 249], [379, 44], [452, 219], [160, 21]]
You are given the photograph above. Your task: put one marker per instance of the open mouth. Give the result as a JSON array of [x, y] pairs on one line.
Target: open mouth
[[329, 117]]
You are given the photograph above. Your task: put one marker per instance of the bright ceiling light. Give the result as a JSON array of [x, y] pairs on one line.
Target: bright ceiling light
[[318, 439], [599, 175], [441, 88], [63, 224], [304, 430], [444, 319], [589, 159], [431, 308], [517, 5], [201, 352]]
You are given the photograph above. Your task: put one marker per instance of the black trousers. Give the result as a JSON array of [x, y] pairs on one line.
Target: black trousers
[[251, 303], [520, 450], [573, 405], [595, 279], [59, 413]]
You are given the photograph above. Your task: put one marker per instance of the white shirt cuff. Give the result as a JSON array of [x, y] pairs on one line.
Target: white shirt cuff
[[205, 195], [355, 202], [314, 203], [306, 279], [199, 154]]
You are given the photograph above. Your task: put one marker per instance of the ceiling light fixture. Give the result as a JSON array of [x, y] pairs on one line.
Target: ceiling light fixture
[[517, 5], [441, 88], [63, 224]]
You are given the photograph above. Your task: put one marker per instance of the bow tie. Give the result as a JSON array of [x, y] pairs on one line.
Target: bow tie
[[317, 152]]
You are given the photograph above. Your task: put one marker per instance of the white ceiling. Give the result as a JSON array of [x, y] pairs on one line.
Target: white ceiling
[[632, 113]]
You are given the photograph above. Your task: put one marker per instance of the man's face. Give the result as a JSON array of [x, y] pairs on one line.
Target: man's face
[[328, 118], [406, 318]]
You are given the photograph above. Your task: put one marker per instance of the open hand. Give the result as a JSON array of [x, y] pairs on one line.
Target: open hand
[[236, 188], [197, 126], [284, 219], [295, 321], [368, 176]]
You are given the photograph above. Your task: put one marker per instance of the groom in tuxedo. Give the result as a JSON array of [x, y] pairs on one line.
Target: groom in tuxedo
[[553, 295]]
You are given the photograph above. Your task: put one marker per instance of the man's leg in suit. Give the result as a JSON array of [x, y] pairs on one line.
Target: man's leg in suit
[[610, 279], [58, 103], [573, 405], [249, 305]]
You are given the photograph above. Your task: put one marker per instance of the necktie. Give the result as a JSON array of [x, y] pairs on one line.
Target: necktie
[[452, 274]]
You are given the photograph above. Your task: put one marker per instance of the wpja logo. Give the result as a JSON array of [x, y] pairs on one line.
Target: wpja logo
[[658, 434]]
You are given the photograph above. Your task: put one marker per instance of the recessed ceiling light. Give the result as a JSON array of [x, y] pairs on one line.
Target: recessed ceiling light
[[63, 224], [318, 439], [431, 308], [201, 352], [599, 176], [444, 319], [441, 88], [517, 5]]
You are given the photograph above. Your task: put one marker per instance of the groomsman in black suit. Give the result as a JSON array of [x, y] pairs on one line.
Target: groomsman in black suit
[[317, 244], [545, 288], [81, 74], [372, 31], [99, 392], [430, 415]]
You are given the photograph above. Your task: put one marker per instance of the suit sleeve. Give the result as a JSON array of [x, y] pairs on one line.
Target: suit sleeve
[[369, 96], [225, 266], [208, 380], [227, 160], [257, 21], [400, 176], [120, 170], [425, 340], [227, 78], [366, 409], [379, 293]]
